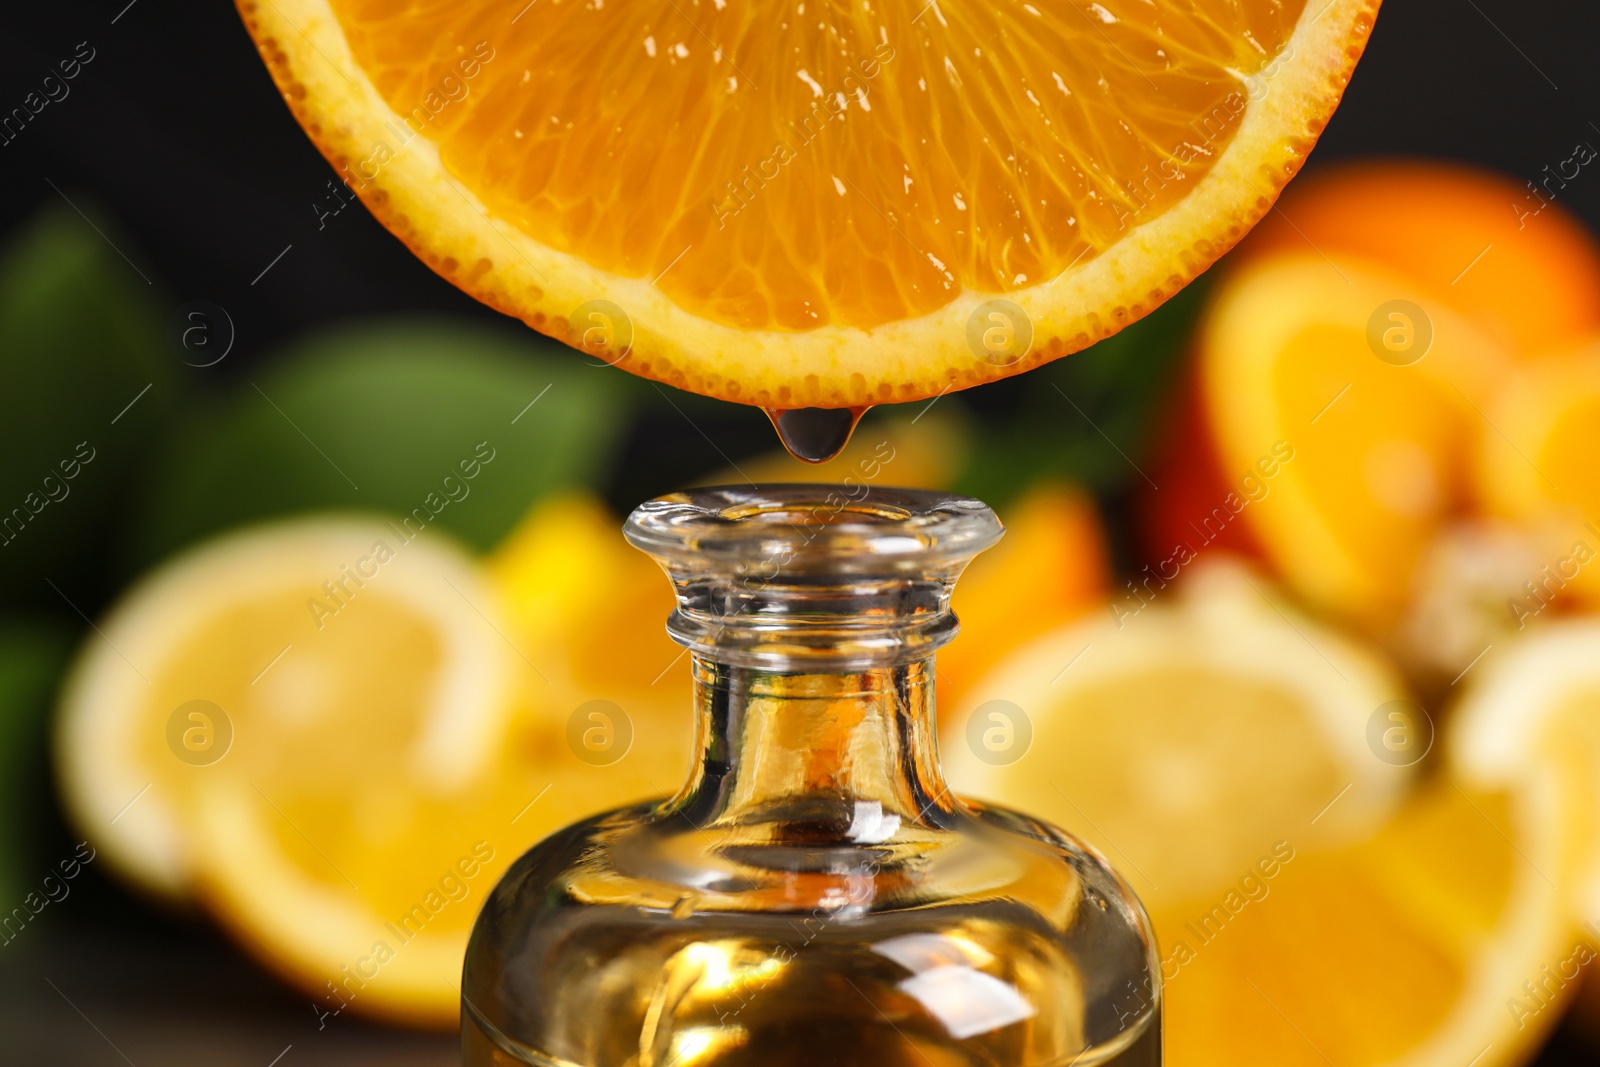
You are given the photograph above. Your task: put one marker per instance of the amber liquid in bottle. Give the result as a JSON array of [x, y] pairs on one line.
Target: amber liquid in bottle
[[814, 893]]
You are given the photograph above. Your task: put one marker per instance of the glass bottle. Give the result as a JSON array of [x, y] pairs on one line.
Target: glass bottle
[[813, 893]]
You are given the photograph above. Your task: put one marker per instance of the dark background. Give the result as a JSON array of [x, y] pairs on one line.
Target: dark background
[[174, 143]]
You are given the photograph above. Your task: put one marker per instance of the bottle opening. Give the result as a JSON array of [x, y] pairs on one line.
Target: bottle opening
[[813, 577], [783, 514], [832, 527]]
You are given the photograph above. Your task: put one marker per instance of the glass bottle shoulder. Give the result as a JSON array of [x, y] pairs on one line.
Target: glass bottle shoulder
[[986, 931]]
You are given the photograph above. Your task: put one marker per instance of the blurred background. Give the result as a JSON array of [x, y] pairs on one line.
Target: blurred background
[[208, 338]]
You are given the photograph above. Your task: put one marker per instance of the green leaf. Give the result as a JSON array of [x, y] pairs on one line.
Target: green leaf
[[82, 340], [32, 656], [384, 418]]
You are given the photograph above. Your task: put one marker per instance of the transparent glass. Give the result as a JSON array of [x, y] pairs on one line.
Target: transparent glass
[[813, 890]]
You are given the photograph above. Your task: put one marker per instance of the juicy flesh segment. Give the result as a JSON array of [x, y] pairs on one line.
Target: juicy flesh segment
[[295, 728], [798, 164]]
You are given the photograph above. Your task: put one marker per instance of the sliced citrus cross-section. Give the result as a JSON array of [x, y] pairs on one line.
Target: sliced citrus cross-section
[[1540, 469], [1187, 736], [280, 652], [1534, 715], [1436, 943], [1314, 902], [336, 733], [1343, 402], [816, 206]]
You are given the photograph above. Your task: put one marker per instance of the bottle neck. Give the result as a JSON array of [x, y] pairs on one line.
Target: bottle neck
[[812, 614], [851, 756]]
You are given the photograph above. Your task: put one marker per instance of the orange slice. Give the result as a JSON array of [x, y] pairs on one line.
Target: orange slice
[[817, 206], [1539, 467], [1342, 403]]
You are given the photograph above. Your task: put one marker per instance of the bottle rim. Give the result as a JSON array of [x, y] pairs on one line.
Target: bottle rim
[[806, 528], [812, 577]]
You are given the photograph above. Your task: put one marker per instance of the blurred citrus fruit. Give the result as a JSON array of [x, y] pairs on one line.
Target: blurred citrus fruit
[[1498, 251], [814, 212], [1417, 948], [1052, 566], [289, 651], [1540, 468], [1534, 716], [1186, 735], [338, 732], [1340, 404], [570, 582], [1235, 759]]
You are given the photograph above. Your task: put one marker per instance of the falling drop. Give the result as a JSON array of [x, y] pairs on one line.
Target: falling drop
[[815, 435]]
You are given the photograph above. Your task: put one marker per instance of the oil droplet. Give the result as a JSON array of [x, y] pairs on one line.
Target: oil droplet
[[815, 435]]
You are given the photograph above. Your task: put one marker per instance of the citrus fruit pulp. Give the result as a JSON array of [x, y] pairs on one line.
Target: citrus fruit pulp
[[1539, 472], [274, 663], [808, 208], [1155, 732], [1342, 455], [1414, 948], [1534, 715], [339, 775], [1438, 432], [1312, 903]]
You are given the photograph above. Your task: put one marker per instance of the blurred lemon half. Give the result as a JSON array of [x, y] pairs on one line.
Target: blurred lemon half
[[1185, 734], [289, 653], [303, 726], [337, 733]]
